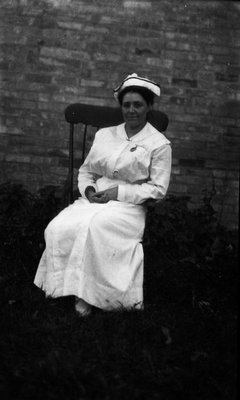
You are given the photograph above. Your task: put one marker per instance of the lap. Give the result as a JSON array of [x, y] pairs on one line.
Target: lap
[[112, 215]]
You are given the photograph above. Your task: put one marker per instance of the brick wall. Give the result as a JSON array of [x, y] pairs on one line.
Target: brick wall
[[56, 52]]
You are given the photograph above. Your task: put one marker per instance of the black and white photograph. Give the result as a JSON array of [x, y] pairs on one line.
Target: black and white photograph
[[119, 199]]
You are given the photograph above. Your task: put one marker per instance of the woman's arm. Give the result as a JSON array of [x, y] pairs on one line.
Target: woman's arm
[[157, 185], [86, 177]]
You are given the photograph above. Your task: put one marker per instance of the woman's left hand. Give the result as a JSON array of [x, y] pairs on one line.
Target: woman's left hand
[[105, 195]]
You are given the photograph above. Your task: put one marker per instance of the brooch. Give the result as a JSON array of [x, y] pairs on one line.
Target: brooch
[[133, 148]]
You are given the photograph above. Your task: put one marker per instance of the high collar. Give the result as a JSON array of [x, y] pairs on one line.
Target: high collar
[[146, 131]]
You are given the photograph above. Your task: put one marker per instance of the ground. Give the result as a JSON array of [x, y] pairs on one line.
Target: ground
[[181, 346]]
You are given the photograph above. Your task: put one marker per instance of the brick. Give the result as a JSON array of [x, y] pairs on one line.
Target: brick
[[56, 52], [14, 131], [44, 160], [3, 129], [176, 170], [185, 82], [157, 62], [188, 179], [38, 78], [144, 5], [219, 173], [228, 77], [91, 83], [177, 188], [70, 25], [18, 158], [192, 163], [177, 100]]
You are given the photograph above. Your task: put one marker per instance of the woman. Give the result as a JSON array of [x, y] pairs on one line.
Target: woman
[[93, 247]]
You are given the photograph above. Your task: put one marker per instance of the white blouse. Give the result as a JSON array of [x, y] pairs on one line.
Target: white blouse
[[139, 166]]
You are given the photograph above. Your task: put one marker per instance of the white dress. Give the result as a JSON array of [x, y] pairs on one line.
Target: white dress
[[94, 251]]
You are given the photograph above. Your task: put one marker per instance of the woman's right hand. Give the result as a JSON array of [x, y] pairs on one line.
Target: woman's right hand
[[89, 192], [101, 197], [104, 196]]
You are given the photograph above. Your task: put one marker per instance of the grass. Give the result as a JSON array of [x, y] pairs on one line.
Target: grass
[[178, 347], [181, 346]]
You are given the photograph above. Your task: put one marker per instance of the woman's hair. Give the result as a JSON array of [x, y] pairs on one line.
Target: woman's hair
[[145, 93]]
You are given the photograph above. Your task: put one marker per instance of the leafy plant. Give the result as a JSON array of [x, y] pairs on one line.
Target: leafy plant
[[23, 218], [178, 232], [188, 255]]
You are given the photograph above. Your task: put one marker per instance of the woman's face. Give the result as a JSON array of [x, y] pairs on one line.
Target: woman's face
[[134, 110]]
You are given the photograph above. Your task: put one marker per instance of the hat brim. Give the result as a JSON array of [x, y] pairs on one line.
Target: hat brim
[[140, 82]]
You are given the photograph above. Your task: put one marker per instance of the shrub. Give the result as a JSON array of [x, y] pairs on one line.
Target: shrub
[[177, 232], [189, 256], [23, 218]]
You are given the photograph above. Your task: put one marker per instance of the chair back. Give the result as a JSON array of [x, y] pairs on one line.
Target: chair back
[[99, 117]]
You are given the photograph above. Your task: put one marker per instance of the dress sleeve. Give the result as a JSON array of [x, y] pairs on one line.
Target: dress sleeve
[[86, 177], [157, 185]]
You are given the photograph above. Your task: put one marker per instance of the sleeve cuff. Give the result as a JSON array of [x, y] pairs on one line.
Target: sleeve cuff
[[121, 193]]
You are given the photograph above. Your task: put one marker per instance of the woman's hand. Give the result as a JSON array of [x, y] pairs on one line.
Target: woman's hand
[[105, 195], [89, 192]]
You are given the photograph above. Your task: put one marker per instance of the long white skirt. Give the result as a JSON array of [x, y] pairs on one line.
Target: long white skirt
[[94, 251]]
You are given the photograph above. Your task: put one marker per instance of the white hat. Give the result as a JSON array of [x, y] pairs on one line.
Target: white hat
[[135, 80]]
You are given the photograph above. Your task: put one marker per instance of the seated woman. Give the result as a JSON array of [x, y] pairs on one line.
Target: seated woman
[[93, 247]]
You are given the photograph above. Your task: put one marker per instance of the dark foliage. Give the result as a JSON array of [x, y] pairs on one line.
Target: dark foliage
[[182, 346], [23, 218], [181, 233], [189, 253]]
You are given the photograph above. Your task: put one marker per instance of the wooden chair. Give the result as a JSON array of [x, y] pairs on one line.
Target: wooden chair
[[98, 117]]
